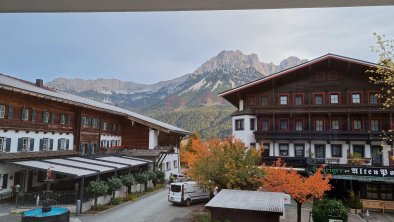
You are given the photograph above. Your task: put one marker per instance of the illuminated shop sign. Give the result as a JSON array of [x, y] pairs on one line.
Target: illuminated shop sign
[[356, 171]]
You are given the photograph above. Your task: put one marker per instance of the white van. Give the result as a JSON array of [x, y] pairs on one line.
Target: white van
[[187, 193]]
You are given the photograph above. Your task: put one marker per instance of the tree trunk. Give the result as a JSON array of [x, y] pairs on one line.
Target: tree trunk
[[129, 189], [113, 194], [299, 212], [95, 202]]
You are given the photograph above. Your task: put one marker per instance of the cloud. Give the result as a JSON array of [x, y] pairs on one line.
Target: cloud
[[149, 47]]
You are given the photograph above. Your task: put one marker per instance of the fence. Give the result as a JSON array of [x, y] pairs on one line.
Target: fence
[[60, 198]]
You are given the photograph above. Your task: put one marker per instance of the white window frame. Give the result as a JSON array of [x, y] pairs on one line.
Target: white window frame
[[2, 111], [299, 127], [334, 98], [62, 118], [298, 100], [374, 125], [62, 144], [45, 144], [357, 124], [175, 164], [335, 126], [319, 127], [168, 165], [356, 98], [284, 100], [25, 114], [25, 143]]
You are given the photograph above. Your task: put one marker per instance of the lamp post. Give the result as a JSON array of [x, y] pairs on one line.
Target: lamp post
[[17, 188]]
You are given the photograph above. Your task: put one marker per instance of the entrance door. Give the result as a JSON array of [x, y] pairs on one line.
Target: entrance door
[[376, 153], [320, 153], [20, 179]]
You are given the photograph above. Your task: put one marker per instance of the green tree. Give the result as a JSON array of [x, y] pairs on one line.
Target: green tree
[[128, 180], [114, 184], [142, 178], [151, 176], [160, 176], [97, 188], [226, 164], [383, 74], [321, 209]]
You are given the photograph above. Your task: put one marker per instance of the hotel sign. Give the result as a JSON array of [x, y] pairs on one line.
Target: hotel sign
[[357, 171]]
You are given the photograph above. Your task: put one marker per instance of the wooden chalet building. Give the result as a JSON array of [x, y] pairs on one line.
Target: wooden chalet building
[[320, 112], [77, 137]]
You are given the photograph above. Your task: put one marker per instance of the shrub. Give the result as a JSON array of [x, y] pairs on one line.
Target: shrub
[[98, 207], [201, 217], [132, 197], [142, 178], [323, 208], [114, 184], [97, 188], [117, 201], [357, 202], [128, 180], [350, 202], [160, 177]]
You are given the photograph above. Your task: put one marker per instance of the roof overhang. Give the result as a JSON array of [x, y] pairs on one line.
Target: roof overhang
[[172, 5]]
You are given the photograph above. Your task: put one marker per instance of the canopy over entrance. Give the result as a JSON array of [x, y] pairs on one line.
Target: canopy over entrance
[[83, 166]]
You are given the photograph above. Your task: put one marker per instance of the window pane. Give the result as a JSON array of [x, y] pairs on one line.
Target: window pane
[[239, 124], [266, 149], [2, 111], [373, 99], [319, 125], [264, 100], [298, 100], [335, 124], [283, 149], [264, 125], [359, 149], [283, 100], [299, 125], [334, 98], [283, 124], [374, 125], [252, 124], [357, 124], [299, 150], [356, 98], [319, 99], [336, 150]]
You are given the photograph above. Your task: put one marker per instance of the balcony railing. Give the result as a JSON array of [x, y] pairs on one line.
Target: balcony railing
[[317, 135], [342, 161]]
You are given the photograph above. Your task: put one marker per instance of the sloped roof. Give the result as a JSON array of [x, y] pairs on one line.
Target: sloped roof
[[25, 87], [248, 200], [292, 69]]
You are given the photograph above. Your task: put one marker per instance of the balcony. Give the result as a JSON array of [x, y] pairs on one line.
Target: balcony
[[341, 161], [314, 135], [297, 162]]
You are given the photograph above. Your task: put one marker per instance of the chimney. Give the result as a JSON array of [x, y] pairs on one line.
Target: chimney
[[39, 83]]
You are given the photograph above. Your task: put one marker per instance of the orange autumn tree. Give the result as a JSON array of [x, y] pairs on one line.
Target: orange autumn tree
[[278, 178], [190, 149]]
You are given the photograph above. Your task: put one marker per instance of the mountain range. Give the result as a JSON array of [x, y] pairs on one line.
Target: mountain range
[[189, 101]]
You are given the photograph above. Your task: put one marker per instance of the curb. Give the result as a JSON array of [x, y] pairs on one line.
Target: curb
[[120, 205]]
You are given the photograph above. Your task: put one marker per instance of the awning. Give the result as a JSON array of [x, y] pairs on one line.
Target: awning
[[83, 166]]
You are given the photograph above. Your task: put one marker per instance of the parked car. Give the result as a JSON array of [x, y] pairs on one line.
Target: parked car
[[186, 193]]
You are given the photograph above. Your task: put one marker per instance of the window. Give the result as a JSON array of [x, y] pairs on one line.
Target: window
[[168, 165], [373, 99], [250, 101], [356, 124], [5, 181], [33, 115], [356, 98], [374, 125], [62, 144], [386, 191], [239, 124], [283, 149], [319, 125], [25, 144], [359, 149], [104, 126], [334, 98], [283, 100], [2, 145], [252, 124], [45, 117], [175, 164], [264, 125], [62, 118], [299, 150], [372, 191], [284, 124], [53, 116], [264, 100], [335, 124], [10, 112], [2, 111], [319, 99], [45, 144], [298, 100], [336, 150], [266, 149], [25, 114], [298, 125]]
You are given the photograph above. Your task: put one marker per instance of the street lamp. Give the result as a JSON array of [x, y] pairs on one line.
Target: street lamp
[[17, 188]]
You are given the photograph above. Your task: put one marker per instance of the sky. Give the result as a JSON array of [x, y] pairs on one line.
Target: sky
[[148, 47]]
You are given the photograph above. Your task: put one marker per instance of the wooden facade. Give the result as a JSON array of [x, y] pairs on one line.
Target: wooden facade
[[320, 112]]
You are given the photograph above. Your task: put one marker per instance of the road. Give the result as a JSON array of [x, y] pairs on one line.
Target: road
[[152, 208]]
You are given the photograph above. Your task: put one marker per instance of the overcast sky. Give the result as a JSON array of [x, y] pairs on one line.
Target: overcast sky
[[147, 47]]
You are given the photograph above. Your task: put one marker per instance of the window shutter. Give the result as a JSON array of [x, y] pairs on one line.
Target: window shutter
[[10, 112], [58, 144], [41, 144], [68, 120], [31, 144], [67, 144], [81, 148], [90, 148], [20, 141], [8, 144], [51, 146]]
